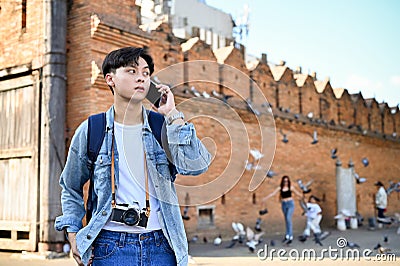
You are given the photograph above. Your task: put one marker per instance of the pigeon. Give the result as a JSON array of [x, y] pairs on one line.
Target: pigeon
[[310, 115], [297, 116], [359, 179], [249, 165], [252, 109], [352, 245], [206, 95], [239, 230], [360, 219], [194, 239], [271, 174], [365, 161], [304, 187], [333, 153], [266, 104], [284, 140], [393, 187], [342, 215], [205, 241], [185, 211], [66, 248], [218, 240], [386, 220], [258, 224], [252, 239], [220, 96], [233, 242], [315, 138], [195, 92], [382, 250], [272, 243], [385, 239], [257, 155], [263, 211], [216, 94]]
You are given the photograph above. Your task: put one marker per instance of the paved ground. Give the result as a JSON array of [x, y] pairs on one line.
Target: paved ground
[[208, 254]]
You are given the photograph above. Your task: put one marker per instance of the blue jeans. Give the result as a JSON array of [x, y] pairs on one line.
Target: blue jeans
[[287, 209], [119, 249]]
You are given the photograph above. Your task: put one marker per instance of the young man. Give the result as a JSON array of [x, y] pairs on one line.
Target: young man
[[132, 160]]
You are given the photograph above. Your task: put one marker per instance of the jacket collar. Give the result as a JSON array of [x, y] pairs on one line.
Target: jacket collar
[[110, 118]]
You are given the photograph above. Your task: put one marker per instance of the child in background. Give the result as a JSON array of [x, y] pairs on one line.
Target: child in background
[[314, 216]]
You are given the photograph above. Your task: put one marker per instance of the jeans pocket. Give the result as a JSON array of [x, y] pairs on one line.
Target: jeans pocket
[[103, 249]]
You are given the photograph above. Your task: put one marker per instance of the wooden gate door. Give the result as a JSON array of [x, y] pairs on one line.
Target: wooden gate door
[[19, 129]]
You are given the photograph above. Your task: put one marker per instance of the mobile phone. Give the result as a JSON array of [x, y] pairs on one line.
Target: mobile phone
[[153, 95]]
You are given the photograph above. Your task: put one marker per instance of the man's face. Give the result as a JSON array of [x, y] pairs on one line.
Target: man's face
[[132, 82]]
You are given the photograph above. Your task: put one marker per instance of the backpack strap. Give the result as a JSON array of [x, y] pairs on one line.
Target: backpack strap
[[157, 125], [95, 137]]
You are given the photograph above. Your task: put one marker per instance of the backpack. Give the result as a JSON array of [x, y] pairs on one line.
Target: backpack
[[96, 133]]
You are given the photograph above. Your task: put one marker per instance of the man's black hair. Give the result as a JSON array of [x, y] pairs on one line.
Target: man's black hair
[[124, 57]]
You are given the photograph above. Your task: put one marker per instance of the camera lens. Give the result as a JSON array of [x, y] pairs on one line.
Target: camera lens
[[130, 217]]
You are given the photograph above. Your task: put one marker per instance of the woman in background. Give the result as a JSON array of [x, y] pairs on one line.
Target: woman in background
[[285, 189]]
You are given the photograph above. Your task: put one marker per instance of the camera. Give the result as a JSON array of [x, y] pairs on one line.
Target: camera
[[129, 215]]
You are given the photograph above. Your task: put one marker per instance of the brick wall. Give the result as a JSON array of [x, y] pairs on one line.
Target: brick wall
[[94, 30], [21, 45]]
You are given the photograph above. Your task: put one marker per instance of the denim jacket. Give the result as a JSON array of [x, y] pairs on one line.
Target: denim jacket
[[188, 154]]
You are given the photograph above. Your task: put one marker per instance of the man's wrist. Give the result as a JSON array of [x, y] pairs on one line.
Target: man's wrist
[[173, 116], [172, 112]]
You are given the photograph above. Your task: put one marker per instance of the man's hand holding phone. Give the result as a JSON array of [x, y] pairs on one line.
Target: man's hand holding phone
[[163, 101], [161, 97]]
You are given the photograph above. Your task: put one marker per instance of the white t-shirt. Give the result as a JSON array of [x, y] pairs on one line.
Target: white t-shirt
[[131, 187], [312, 210]]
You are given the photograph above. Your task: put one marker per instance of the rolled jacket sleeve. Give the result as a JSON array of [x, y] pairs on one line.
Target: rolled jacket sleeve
[[189, 155]]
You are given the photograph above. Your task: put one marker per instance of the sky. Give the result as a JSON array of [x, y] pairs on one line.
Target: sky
[[356, 43]]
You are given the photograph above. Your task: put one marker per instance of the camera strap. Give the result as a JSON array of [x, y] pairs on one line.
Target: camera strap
[[113, 201]]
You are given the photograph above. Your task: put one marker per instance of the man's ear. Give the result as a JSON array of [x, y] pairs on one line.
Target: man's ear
[[109, 80]]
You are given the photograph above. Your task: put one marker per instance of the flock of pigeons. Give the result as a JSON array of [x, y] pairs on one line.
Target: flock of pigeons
[[257, 155], [242, 236], [251, 239]]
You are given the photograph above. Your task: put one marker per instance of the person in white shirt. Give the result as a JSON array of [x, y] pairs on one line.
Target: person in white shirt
[[314, 216], [381, 202]]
